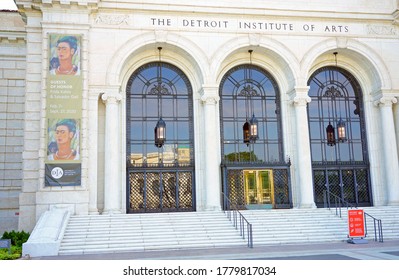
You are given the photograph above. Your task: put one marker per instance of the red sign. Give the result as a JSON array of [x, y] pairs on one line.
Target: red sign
[[356, 223]]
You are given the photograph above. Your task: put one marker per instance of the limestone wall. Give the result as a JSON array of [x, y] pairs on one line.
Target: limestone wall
[[12, 108]]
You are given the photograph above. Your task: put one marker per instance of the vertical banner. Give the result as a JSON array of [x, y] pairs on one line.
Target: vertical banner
[[356, 223], [64, 111]]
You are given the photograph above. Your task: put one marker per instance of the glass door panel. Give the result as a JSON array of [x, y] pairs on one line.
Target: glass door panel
[[265, 183], [259, 188]]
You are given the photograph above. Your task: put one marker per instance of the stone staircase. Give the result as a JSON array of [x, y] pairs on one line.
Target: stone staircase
[[316, 225], [274, 227], [145, 232], [174, 231]]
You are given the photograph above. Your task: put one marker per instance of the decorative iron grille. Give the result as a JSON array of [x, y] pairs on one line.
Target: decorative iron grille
[[282, 195], [161, 191], [235, 191], [349, 184]]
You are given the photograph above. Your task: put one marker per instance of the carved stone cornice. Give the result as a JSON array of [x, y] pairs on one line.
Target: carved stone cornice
[[396, 16], [29, 5]]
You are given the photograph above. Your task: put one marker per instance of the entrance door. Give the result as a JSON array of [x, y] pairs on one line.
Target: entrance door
[[259, 189]]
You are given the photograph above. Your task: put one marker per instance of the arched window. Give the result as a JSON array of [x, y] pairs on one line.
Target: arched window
[[338, 136], [160, 177], [255, 171], [248, 91]]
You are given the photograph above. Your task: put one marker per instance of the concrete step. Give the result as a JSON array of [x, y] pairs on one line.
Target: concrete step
[[175, 231], [142, 232]]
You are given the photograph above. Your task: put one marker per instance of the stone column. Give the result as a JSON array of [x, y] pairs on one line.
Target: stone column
[[304, 177], [210, 100], [396, 123], [112, 182], [93, 146], [390, 152]]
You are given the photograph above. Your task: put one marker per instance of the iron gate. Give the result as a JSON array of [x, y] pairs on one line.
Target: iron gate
[[350, 184], [160, 191]]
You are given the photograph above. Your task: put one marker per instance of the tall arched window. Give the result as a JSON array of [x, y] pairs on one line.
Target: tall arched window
[[338, 137], [160, 177], [255, 171], [248, 91]]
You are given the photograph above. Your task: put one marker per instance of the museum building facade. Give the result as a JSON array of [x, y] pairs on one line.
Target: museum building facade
[[130, 107]]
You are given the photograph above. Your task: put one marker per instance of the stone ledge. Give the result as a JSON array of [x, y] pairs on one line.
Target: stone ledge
[[46, 237]]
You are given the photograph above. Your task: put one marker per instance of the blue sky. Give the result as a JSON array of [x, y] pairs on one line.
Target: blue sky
[[7, 5]]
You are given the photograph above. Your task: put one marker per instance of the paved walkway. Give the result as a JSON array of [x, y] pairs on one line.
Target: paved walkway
[[389, 250]]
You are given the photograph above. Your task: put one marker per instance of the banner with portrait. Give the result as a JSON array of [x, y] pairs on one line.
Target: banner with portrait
[[64, 111]]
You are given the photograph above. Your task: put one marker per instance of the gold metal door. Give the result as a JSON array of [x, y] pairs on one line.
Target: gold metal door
[[259, 188]]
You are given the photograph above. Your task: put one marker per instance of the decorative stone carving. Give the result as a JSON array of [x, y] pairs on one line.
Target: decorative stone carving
[[210, 99], [382, 29], [385, 101], [209, 95], [112, 19], [112, 98], [301, 100]]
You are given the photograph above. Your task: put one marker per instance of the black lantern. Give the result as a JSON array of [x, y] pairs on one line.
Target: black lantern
[[253, 131], [334, 93], [341, 131], [159, 89], [246, 132], [250, 128], [330, 135], [160, 133]]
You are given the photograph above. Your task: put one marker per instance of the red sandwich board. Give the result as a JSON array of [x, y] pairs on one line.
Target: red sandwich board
[[356, 223]]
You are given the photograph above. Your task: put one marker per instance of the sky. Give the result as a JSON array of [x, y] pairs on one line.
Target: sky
[[7, 5]]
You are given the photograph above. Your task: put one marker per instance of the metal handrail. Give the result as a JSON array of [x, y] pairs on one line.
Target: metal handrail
[[378, 236], [234, 215]]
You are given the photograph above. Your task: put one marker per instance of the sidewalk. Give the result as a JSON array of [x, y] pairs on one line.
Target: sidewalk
[[388, 250]]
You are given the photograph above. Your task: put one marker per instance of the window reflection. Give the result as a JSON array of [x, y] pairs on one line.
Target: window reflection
[[176, 109], [236, 109], [345, 106]]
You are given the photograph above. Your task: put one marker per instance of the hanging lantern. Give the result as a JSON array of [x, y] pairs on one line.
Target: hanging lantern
[[246, 132], [341, 131], [330, 135], [160, 133], [253, 129]]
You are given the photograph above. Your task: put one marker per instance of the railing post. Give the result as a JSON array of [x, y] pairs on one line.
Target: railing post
[[377, 222], [242, 222], [250, 238]]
